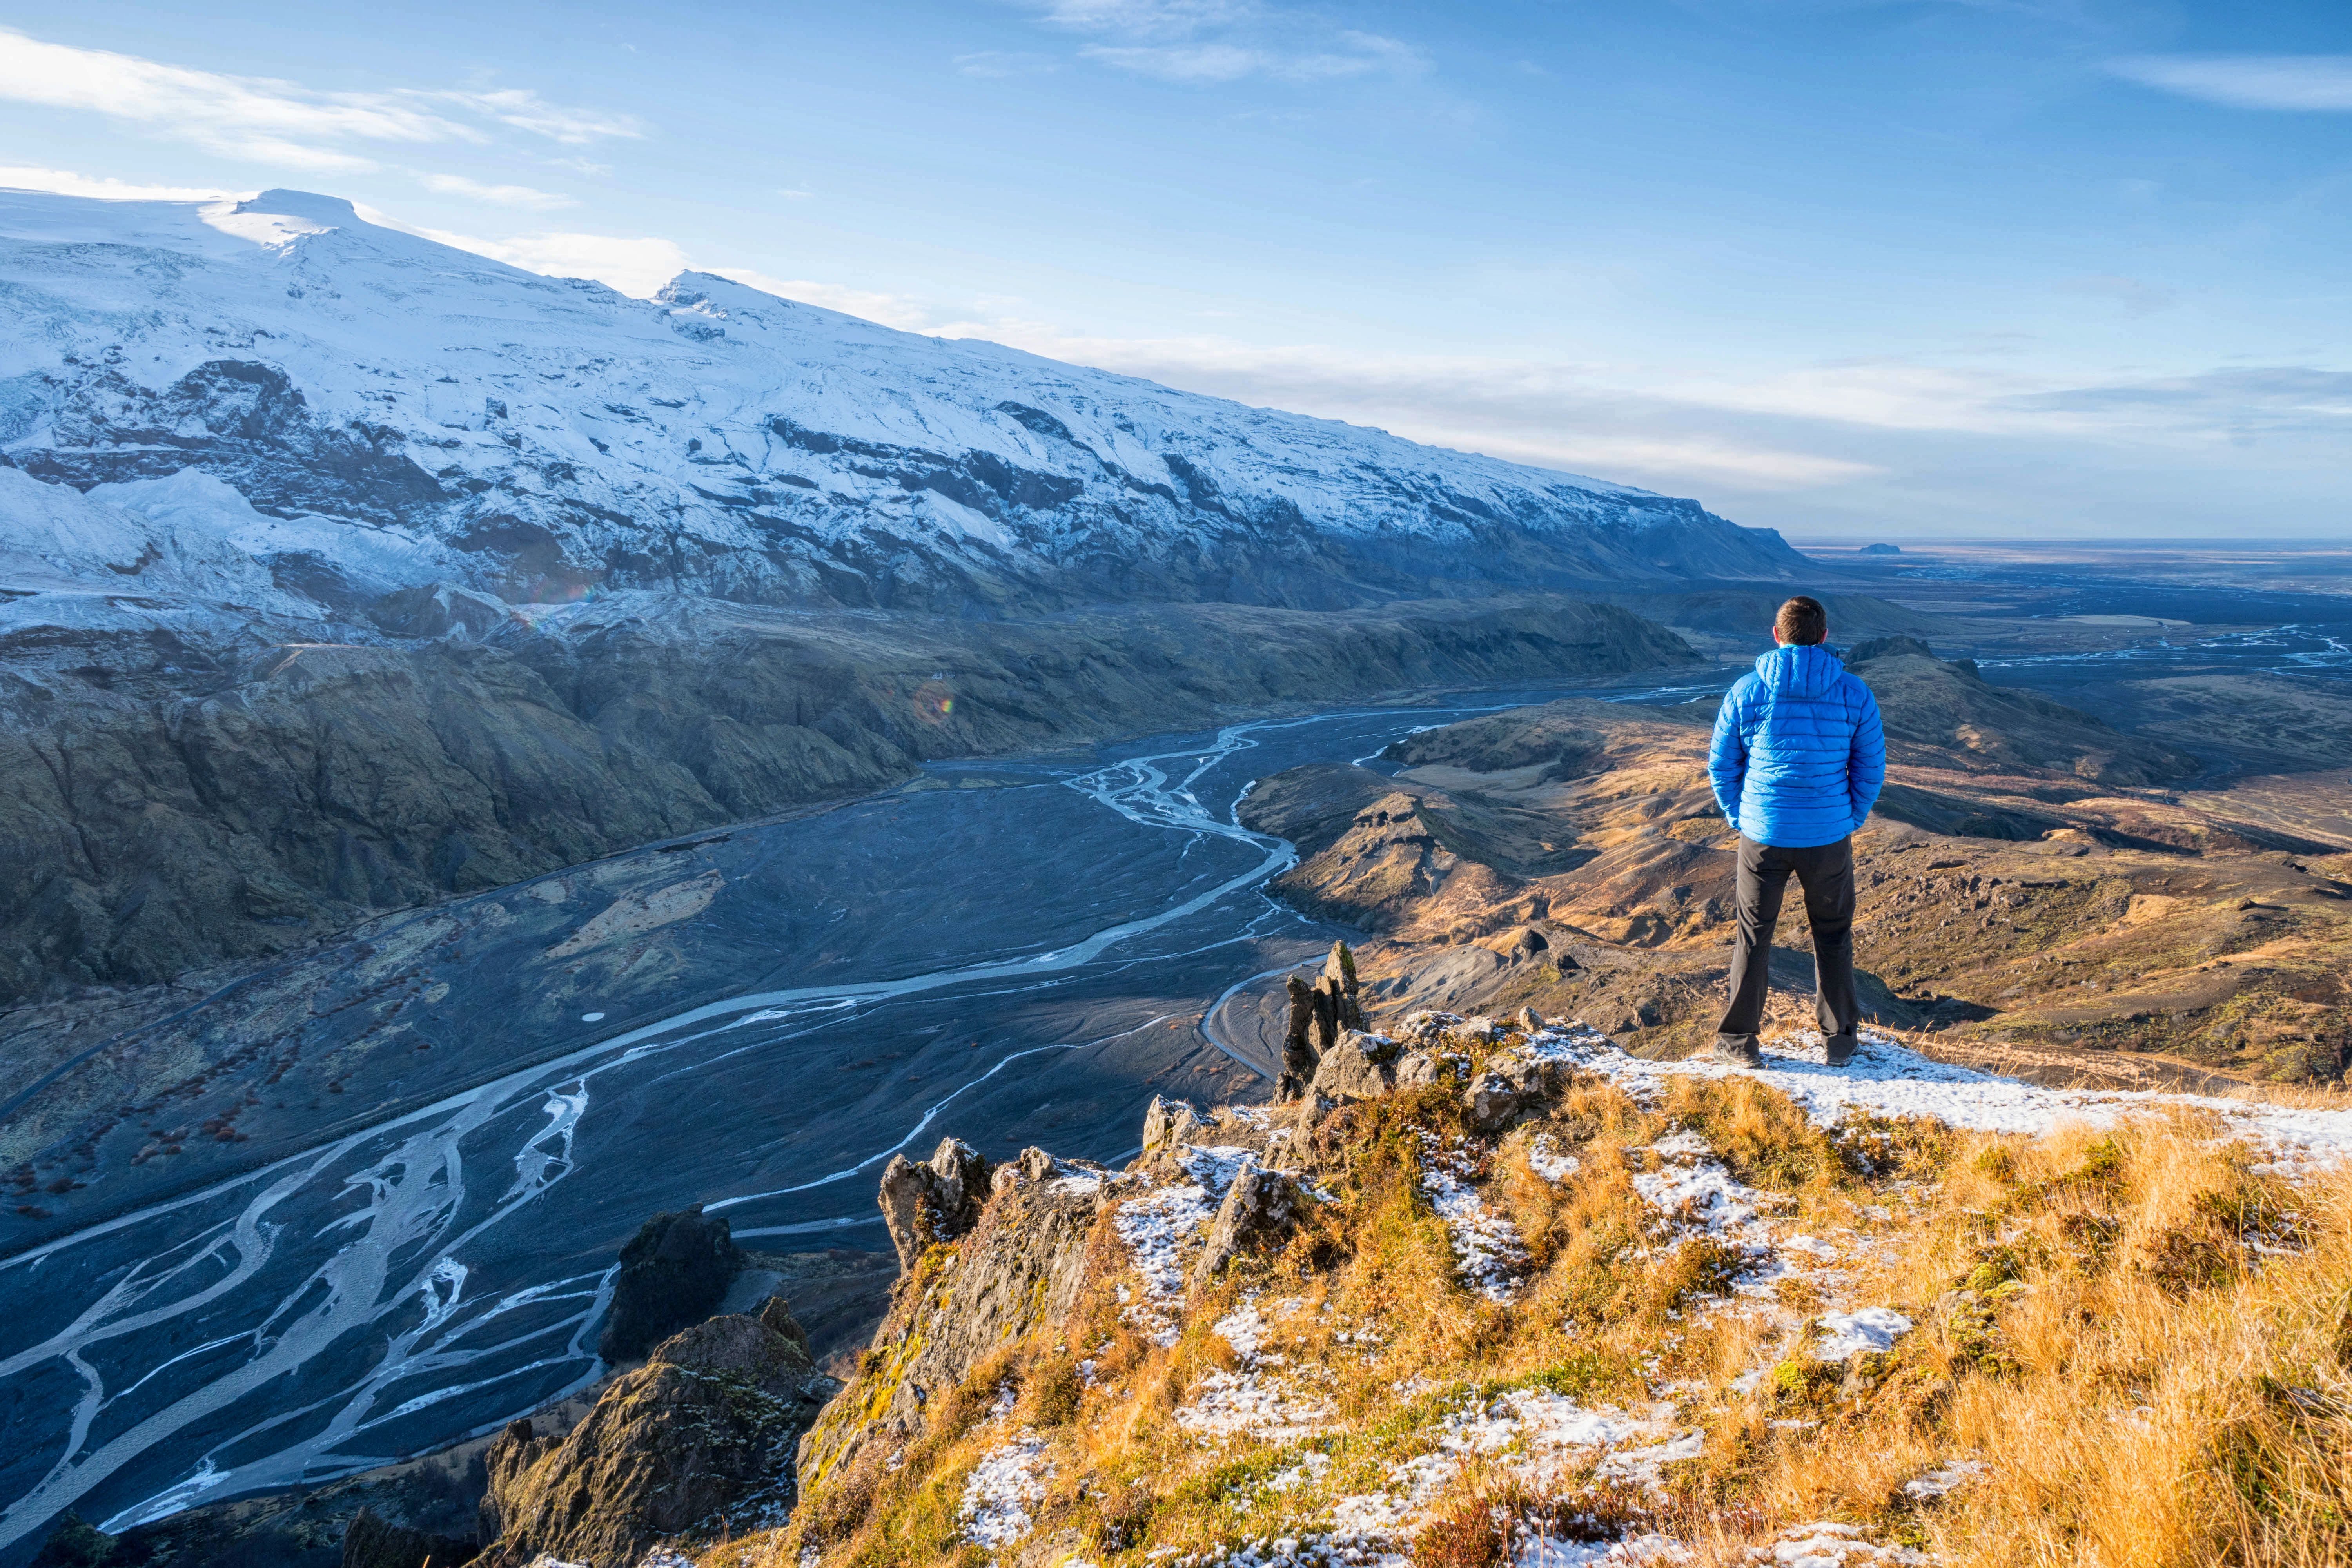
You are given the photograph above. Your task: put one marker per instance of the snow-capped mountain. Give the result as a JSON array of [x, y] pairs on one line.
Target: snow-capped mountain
[[404, 412]]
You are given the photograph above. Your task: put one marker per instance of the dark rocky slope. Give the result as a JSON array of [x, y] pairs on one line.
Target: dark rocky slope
[[173, 797]]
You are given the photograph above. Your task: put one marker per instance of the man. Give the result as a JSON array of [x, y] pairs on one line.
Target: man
[[1797, 764]]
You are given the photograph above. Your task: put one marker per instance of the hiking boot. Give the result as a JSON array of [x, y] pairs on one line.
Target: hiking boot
[[1741, 1049], [1838, 1048]]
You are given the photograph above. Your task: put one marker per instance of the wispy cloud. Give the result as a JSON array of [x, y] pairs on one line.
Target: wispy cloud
[[1360, 54], [1150, 19], [2310, 82], [890, 309], [65, 183], [2238, 404], [1005, 63], [1198, 42], [635, 266], [261, 120], [526, 111], [496, 196]]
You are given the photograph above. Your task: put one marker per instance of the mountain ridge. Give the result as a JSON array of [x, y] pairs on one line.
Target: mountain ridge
[[557, 436]]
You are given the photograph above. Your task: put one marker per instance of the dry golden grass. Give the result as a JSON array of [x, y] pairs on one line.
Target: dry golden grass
[[2141, 1337]]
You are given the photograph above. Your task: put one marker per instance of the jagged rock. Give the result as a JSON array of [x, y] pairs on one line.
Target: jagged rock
[[1491, 1100], [935, 1202], [675, 1270], [1298, 1051], [1169, 1124], [1530, 1020], [696, 1443], [1415, 1068], [775, 1314], [1359, 1066], [510, 1454], [1426, 1027], [1035, 1164], [1260, 1208], [372, 1541], [1339, 984], [436, 609], [1020, 1265]]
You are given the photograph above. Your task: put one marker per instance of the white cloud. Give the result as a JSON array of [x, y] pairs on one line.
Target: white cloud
[[2318, 82], [1211, 41], [1149, 19], [497, 195], [1560, 416], [526, 111], [638, 267], [1363, 53], [998, 63], [65, 183], [890, 309], [265, 121]]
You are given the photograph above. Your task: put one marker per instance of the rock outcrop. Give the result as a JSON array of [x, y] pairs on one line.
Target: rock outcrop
[[926, 1205], [1363, 1066], [695, 1444], [372, 1541], [1260, 1210], [1020, 1265], [674, 1272], [1319, 1013]]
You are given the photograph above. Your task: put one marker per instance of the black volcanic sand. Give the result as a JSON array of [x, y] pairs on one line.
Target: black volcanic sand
[[377, 1208]]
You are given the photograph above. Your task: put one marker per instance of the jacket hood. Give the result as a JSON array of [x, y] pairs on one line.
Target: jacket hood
[[1803, 669]]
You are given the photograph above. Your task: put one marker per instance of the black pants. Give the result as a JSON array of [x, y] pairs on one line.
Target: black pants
[[1826, 874]]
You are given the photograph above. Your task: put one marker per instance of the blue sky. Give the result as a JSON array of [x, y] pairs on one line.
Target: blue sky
[[1889, 270]]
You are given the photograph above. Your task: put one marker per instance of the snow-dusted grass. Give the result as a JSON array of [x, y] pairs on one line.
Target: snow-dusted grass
[[1739, 1329]]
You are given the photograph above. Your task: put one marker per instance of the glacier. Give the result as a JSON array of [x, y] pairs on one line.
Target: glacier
[[381, 411]]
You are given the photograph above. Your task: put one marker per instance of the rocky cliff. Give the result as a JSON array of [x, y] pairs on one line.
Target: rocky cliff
[[696, 1444], [180, 784]]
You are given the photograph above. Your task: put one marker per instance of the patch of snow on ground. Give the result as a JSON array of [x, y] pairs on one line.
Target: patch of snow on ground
[[1884, 1079], [1215, 1165], [1486, 1246], [1158, 1229], [1537, 1435], [1252, 1404], [1829, 1545], [1707, 1195], [1310, 1472], [1936, 1482], [1005, 1484], [1250, 1401], [1843, 1334], [1546, 1161], [1652, 1551]]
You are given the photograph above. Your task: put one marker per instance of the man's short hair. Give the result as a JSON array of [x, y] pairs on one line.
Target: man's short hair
[[1802, 620]]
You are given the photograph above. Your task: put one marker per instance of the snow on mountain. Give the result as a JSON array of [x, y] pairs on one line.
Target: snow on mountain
[[381, 410]]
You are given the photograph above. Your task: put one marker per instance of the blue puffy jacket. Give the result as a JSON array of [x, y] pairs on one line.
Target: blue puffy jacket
[[1798, 755]]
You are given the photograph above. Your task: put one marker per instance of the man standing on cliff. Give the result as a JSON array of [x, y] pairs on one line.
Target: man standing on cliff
[[1797, 764]]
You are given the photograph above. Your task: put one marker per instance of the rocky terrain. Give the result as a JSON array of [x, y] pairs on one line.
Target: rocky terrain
[[1497, 1292], [2029, 882]]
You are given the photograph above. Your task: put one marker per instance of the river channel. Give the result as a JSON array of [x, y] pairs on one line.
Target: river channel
[[1020, 953]]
